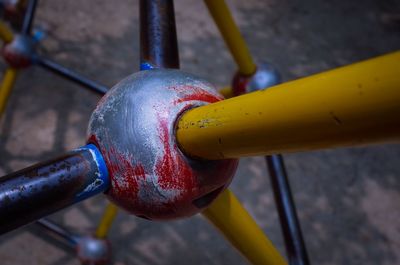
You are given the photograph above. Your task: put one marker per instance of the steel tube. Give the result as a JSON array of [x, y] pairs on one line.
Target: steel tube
[[294, 242], [28, 17], [39, 190], [58, 231], [351, 105], [158, 41], [69, 74]]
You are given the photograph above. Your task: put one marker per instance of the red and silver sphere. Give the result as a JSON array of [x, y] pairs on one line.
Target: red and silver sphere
[[134, 127], [265, 76]]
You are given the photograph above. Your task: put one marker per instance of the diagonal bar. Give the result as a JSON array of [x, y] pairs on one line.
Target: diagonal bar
[[229, 216], [69, 74]]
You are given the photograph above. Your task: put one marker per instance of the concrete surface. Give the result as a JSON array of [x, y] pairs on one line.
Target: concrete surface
[[348, 199]]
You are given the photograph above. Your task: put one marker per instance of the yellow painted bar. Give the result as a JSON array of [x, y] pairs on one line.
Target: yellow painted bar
[[229, 216], [106, 221], [233, 39], [351, 105], [5, 33], [226, 92], [5, 88]]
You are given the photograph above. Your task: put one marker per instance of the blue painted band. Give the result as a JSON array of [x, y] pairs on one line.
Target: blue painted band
[[146, 66], [102, 181]]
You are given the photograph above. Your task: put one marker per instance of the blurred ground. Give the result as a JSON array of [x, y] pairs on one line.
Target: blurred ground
[[348, 199]]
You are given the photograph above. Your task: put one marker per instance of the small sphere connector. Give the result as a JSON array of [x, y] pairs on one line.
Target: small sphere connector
[[18, 53], [265, 76], [93, 251], [134, 127]]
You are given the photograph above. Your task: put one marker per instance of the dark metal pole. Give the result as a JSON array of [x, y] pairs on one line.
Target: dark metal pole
[[292, 234], [29, 16], [39, 190], [69, 74], [58, 231], [158, 41]]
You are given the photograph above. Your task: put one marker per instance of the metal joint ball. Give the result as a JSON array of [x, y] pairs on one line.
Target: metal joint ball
[[134, 127], [265, 76], [94, 251], [18, 53]]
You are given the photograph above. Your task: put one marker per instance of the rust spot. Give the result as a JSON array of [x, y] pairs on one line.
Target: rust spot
[[219, 141]]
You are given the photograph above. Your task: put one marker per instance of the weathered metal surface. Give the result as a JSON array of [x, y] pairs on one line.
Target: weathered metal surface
[[158, 41], [134, 126], [44, 188]]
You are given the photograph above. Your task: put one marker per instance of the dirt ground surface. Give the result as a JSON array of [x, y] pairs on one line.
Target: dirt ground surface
[[348, 199]]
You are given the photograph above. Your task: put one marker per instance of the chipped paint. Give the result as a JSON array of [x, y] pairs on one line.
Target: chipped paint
[[134, 127]]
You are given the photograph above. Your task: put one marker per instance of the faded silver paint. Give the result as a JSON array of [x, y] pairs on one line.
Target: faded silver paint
[[127, 127]]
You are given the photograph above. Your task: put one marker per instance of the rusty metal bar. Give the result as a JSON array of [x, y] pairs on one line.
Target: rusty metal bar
[[39, 190], [158, 40]]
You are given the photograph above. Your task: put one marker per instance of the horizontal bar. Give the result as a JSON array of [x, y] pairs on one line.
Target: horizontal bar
[[6, 86], [58, 231], [229, 216], [158, 40], [294, 242], [69, 74], [351, 105], [39, 190], [232, 37]]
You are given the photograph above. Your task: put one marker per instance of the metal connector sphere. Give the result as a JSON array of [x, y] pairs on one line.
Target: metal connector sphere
[[18, 53], [93, 251], [133, 125], [265, 76]]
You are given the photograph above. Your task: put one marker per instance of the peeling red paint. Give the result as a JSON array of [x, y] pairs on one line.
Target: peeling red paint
[[196, 93], [172, 164], [165, 186]]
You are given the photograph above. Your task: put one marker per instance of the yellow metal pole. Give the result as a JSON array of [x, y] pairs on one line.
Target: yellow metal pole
[[229, 216], [5, 33], [106, 221], [6, 86], [226, 92], [351, 105], [233, 39]]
